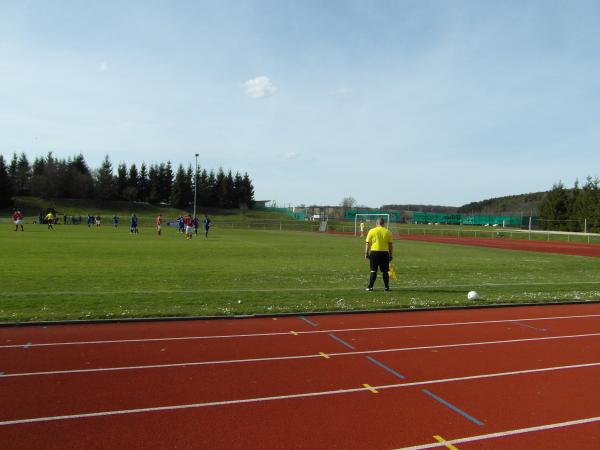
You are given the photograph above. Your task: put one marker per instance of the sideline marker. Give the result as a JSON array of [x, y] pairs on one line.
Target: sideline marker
[[325, 355], [371, 388], [441, 440]]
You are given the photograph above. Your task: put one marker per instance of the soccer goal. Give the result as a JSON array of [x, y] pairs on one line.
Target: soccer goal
[[370, 220]]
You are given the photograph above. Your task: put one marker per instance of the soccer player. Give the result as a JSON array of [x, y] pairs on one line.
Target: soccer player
[[378, 250], [362, 228], [18, 220], [159, 224], [115, 220], [196, 222], [187, 220], [50, 220], [206, 226], [133, 224], [90, 221], [181, 224], [98, 220]]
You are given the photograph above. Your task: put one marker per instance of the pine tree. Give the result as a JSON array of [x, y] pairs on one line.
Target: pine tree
[[555, 208], [180, 191], [130, 192], [143, 184], [23, 175], [121, 181], [5, 185], [105, 189]]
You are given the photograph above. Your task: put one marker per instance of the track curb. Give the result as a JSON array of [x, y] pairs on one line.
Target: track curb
[[290, 314]]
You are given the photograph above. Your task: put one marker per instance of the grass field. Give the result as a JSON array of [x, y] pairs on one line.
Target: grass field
[[80, 273]]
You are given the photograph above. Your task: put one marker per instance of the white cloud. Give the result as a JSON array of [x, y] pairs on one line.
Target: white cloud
[[259, 87], [290, 155], [103, 66]]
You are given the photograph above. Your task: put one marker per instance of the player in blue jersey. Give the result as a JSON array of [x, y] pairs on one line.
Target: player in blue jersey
[[133, 224], [206, 226]]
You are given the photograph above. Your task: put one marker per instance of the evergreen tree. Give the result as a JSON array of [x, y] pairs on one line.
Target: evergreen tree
[[121, 181], [131, 192], [143, 184], [211, 189], [555, 208], [180, 193], [82, 182], [237, 191], [230, 197], [5, 185], [203, 192], [12, 173], [105, 189], [247, 191], [153, 185], [23, 175], [220, 189]]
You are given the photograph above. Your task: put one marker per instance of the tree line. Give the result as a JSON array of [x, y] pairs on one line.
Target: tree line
[[576, 209], [51, 177]]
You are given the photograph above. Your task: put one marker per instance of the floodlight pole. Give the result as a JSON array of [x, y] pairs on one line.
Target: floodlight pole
[[195, 184]]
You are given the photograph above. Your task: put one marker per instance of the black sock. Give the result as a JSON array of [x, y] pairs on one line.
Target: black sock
[[386, 279], [372, 279]]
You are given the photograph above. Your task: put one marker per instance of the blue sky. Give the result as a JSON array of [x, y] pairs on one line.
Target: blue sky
[[441, 102]]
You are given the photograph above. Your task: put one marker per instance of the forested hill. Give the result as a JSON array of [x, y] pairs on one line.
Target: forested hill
[[510, 205], [421, 208]]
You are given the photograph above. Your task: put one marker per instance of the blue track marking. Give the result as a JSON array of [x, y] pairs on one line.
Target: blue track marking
[[308, 321], [383, 366], [341, 341], [452, 407], [528, 326]]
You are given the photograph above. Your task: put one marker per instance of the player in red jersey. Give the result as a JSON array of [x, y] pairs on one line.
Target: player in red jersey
[[159, 224], [189, 227], [18, 220]]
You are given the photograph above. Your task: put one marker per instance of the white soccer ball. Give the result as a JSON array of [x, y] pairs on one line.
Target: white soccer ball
[[472, 295]]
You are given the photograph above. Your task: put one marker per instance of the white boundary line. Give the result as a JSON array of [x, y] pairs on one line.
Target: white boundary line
[[287, 333], [292, 396], [503, 434], [283, 358]]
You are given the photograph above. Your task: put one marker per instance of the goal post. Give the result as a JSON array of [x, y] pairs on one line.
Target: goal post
[[359, 217]]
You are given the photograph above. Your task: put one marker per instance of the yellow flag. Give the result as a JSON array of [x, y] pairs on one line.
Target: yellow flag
[[392, 272]]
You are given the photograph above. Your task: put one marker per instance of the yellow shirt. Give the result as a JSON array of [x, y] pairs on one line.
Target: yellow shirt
[[380, 239]]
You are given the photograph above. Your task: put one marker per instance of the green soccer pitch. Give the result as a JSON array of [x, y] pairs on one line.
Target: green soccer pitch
[[101, 273]]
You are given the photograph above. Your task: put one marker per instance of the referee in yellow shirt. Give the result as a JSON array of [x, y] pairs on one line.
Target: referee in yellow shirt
[[378, 250]]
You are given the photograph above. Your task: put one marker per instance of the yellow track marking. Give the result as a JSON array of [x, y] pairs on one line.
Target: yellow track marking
[[371, 388], [274, 318], [443, 441], [324, 355], [294, 333]]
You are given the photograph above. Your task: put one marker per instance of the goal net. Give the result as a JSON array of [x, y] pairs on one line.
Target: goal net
[[369, 221]]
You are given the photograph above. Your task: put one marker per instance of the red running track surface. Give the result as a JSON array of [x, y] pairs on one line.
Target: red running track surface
[[455, 374], [566, 248]]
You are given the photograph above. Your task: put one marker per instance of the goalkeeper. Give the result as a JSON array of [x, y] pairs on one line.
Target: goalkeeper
[[378, 250]]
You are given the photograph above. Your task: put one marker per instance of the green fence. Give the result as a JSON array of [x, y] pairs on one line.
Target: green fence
[[464, 219]]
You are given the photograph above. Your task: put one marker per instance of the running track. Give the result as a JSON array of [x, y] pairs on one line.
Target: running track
[[501, 378]]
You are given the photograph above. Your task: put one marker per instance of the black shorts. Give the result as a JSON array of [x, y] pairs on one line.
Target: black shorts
[[380, 260]]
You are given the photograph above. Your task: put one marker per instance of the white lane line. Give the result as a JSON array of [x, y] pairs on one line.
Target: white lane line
[[287, 333], [524, 325], [283, 358], [504, 433], [293, 396]]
